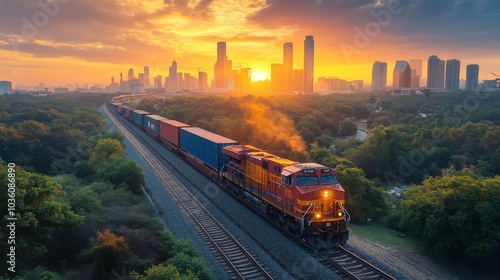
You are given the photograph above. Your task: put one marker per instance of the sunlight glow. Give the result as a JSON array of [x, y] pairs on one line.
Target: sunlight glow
[[259, 76]]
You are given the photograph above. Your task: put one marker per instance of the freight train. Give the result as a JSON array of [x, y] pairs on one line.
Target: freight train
[[305, 198]]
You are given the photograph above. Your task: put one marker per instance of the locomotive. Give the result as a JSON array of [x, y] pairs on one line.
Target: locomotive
[[305, 198]]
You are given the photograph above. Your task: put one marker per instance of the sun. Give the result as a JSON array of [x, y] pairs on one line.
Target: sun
[[259, 76]]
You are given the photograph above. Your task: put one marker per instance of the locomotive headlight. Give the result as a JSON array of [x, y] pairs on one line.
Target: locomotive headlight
[[325, 194], [340, 214], [318, 215]]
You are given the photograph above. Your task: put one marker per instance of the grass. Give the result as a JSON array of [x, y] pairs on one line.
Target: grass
[[380, 234]]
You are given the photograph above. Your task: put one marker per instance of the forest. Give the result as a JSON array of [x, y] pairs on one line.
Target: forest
[[80, 208], [443, 147]]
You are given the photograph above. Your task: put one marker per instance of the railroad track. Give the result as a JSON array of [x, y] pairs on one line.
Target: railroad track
[[235, 257], [351, 266]]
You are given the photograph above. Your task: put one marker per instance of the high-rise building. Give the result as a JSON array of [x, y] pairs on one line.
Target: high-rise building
[[171, 81], [130, 74], [298, 80], [202, 80], [157, 81], [402, 74], [379, 75], [222, 67], [416, 66], [5, 87], [146, 77], [309, 64], [435, 73], [277, 76], [471, 82], [452, 75], [288, 66]]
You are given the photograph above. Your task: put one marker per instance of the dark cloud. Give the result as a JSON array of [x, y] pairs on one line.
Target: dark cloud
[[201, 10], [470, 22]]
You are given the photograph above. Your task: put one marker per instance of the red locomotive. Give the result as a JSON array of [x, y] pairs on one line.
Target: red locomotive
[[304, 197]]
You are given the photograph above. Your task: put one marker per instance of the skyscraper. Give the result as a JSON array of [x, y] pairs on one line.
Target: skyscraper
[[202, 80], [308, 64], [172, 77], [288, 66], [5, 87], [130, 74], [435, 73], [402, 74], [471, 82], [416, 70], [452, 75], [222, 67], [379, 75], [277, 77], [146, 77]]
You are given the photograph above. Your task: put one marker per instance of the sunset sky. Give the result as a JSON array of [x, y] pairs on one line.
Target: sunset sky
[[84, 41]]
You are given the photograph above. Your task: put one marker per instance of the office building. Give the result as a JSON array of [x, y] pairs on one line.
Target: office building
[[379, 75], [146, 77], [277, 77], [452, 75], [288, 66], [298, 80], [309, 64], [222, 67], [401, 75], [130, 74], [202, 80], [171, 81], [472, 77], [416, 70], [435, 73], [5, 87]]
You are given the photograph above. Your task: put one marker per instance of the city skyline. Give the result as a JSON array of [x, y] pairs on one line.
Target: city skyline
[[67, 42]]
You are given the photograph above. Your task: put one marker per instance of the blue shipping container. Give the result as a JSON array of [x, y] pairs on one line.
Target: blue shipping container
[[153, 123], [205, 146], [138, 116]]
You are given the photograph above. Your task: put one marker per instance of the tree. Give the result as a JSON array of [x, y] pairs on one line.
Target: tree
[[456, 215], [39, 211], [122, 172], [104, 150], [348, 127], [108, 252]]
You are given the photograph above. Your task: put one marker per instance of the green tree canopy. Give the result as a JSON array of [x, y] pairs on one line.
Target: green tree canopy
[[105, 149], [458, 216]]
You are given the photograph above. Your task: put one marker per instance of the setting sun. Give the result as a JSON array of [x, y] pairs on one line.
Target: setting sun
[[259, 76]]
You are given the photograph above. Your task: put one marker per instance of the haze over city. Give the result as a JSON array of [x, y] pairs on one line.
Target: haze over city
[[62, 42]]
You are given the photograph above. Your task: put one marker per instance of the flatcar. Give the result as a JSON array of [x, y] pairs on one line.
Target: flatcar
[[306, 198]]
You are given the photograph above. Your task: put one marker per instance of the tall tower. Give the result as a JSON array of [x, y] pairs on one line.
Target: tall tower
[[288, 66], [130, 74], [471, 82], [308, 64], [435, 73], [401, 75], [222, 67], [416, 69], [379, 75], [146, 77], [171, 81], [452, 75]]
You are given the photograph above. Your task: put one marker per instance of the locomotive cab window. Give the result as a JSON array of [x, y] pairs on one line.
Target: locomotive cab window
[[287, 180], [329, 179], [307, 180]]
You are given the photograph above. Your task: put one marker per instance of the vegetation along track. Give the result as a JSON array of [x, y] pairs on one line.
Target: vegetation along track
[[236, 259]]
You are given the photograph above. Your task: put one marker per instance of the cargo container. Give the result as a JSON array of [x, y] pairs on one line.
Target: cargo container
[[152, 123], [205, 146], [169, 131], [124, 110], [138, 116]]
